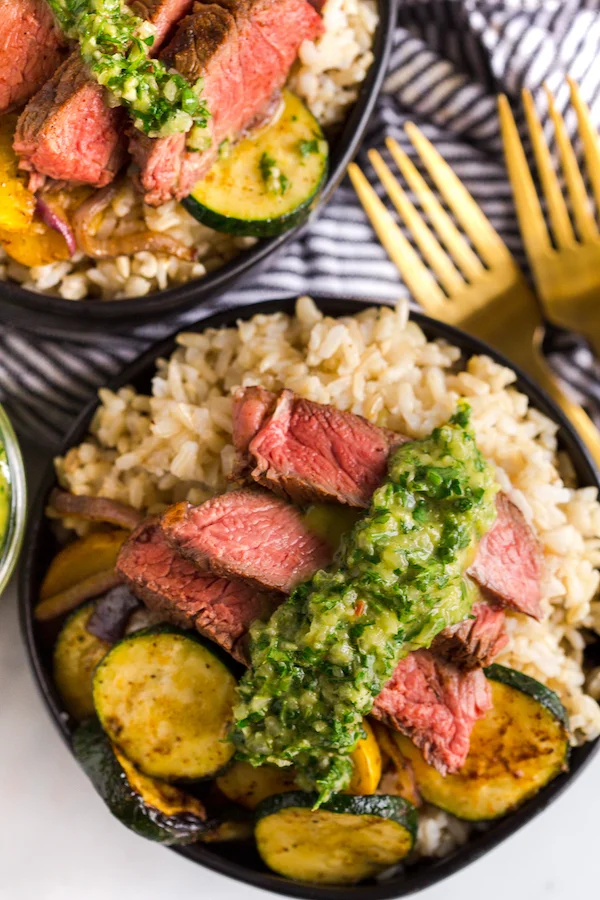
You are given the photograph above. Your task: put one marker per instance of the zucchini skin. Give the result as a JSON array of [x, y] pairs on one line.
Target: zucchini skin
[[527, 685], [385, 806], [94, 752], [261, 228]]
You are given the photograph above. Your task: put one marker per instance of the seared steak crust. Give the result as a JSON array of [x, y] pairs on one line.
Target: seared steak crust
[[476, 641]]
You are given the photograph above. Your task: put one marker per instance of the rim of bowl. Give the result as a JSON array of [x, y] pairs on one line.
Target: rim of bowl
[[13, 539], [81, 320], [430, 871]]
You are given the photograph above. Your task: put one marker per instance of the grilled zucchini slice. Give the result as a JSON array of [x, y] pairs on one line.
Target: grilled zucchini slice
[[165, 698], [267, 183], [76, 655], [347, 839], [518, 747], [151, 808], [249, 785]]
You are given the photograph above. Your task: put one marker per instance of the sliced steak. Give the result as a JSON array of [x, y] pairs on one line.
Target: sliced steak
[[508, 564], [31, 49], [67, 131], [309, 451], [476, 641], [247, 534], [436, 705], [170, 585], [243, 49]]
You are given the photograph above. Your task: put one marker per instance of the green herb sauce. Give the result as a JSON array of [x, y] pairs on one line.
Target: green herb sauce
[[274, 179], [115, 44], [399, 579], [4, 496]]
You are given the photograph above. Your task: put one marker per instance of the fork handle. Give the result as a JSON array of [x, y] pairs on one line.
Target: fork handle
[[578, 417]]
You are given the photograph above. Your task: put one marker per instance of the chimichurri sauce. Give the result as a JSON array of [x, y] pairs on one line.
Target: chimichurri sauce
[[398, 580], [4, 496], [115, 44]]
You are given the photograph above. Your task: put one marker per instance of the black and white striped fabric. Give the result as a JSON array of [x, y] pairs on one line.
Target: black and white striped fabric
[[450, 59]]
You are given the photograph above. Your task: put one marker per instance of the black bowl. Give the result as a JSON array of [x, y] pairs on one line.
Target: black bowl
[[236, 860], [54, 316]]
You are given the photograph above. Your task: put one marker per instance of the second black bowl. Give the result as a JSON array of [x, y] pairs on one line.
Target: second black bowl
[[54, 316]]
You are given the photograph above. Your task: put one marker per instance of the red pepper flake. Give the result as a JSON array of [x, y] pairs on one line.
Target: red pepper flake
[[359, 608]]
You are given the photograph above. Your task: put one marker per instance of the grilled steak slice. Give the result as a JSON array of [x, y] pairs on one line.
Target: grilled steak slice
[[67, 131], [436, 705], [508, 564], [243, 49], [170, 585], [474, 642], [309, 451], [31, 48], [247, 534]]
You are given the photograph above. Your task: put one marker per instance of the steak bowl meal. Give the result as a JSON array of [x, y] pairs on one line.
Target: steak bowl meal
[[312, 597], [145, 145]]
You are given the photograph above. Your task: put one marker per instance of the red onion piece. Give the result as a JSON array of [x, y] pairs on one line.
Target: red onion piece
[[53, 220]]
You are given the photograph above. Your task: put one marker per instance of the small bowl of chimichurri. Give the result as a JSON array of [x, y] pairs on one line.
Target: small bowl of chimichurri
[[13, 499]]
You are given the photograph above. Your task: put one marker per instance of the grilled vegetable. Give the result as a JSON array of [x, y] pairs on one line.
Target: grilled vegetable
[[79, 560], [16, 202], [346, 840], [93, 509], [151, 808], [62, 603], [366, 760], [248, 786], [403, 776], [76, 655], [268, 182], [165, 698], [112, 613], [40, 245], [517, 748]]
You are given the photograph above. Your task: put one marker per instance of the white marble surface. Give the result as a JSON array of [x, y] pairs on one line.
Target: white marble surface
[[58, 842]]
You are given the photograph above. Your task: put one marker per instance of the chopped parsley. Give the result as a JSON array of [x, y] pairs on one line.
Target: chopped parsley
[[274, 179], [306, 148], [115, 44], [399, 578]]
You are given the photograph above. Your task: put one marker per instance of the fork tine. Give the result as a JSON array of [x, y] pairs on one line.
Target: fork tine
[[417, 277], [439, 261], [529, 212], [584, 221], [460, 251], [589, 138], [557, 208], [489, 244]]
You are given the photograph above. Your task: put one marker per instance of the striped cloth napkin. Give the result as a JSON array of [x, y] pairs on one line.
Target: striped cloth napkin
[[450, 58]]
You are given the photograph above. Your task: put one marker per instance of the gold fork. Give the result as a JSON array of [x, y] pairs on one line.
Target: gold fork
[[567, 275], [482, 292]]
